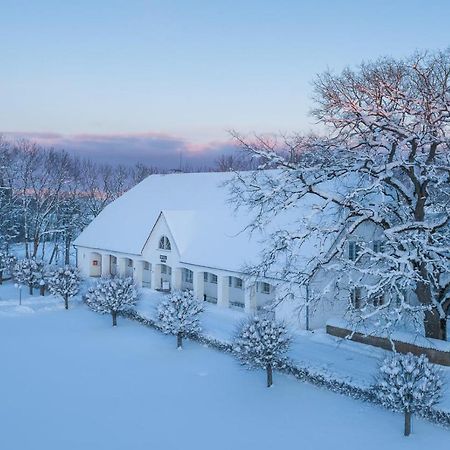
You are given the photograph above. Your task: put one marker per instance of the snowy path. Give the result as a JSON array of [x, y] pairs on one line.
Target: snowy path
[[346, 360], [71, 381]]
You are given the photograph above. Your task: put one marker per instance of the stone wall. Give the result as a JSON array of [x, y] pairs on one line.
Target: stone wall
[[435, 356]]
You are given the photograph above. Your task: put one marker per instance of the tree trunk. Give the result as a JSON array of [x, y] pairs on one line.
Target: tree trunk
[[434, 325], [432, 320], [66, 302], [407, 423], [269, 375], [179, 340], [35, 246], [42, 289], [30, 288], [55, 250], [67, 252], [1, 276], [114, 318]]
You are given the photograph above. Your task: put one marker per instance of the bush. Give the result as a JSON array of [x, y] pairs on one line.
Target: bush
[[409, 384], [112, 295], [262, 342], [65, 282], [179, 315]]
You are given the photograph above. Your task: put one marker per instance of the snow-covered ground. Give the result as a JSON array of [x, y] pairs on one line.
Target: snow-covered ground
[[343, 359], [70, 380]]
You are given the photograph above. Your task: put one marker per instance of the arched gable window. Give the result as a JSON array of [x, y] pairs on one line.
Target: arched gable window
[[164, 243]]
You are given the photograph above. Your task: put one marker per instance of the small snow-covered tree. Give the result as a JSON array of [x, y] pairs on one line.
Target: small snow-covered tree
[[408, 383], [179, 315], [262, 342], [65, 282], [112, 295], [7, 262], [29, 271]]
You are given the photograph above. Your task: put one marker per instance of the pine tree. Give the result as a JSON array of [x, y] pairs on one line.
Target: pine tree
[[112, 295], [408, 383], [29, 271], [262, 342], [179, 315], [65, 282]]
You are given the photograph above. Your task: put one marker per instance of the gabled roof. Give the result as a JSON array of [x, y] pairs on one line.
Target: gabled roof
[[204, 225]]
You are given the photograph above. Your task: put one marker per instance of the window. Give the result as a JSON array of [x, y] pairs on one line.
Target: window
[[264, 288], [113, 260], [146, 265], [378, 300], [377, 246], [238, 283], [213, 278], [164, 243], [130, 263], [166, 269], [353, 250], [356, 298], [188, 276], [205, 277]]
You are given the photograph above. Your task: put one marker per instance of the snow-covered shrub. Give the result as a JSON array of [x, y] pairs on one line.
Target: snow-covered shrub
[[7, 262], [65, 282], [29, 271], [408, 383], [178, 314], [262, 342], [112, 295]]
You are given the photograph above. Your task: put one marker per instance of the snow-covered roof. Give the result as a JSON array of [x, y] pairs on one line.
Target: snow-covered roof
[[204, 225]]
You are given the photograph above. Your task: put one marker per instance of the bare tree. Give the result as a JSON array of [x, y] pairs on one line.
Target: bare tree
[[385, 163]]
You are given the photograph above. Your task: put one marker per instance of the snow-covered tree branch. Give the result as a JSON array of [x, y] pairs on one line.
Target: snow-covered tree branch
[[384, 165]]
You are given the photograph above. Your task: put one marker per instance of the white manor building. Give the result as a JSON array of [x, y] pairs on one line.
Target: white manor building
[[179, 231]]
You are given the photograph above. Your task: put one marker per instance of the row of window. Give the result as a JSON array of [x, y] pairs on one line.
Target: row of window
[[354, 249], [234, 282]]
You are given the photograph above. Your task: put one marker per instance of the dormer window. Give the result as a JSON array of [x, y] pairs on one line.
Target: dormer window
[[164, 243]]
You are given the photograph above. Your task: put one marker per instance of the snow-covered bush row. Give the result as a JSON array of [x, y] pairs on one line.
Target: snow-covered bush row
[[112, 296], [65, 282], [307, 374], [178, 314], [262, 342]]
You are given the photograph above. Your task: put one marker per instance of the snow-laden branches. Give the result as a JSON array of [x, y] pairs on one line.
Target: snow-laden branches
[[262, 342], [408, 384], [65, 282], [178, 314], [112, 295], [380, 178]]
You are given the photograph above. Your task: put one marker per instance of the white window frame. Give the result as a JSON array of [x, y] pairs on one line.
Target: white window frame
[[356, 297], [264, 287], [353, 250], [164, 243], [377, 246], [188, 276]]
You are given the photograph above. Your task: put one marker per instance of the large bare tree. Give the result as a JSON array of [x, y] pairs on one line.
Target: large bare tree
[[384, 160]]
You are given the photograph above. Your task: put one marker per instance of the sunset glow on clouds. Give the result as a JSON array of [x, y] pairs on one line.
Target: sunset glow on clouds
[[154, 149], [100, 74]]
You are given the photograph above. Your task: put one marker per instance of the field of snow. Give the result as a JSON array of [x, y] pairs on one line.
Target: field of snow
[[71, 381], [342, 359]]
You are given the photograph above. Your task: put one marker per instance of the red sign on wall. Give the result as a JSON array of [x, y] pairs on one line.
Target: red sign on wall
[[95, 262]]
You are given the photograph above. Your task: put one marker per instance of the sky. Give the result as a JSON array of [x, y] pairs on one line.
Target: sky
[[140, 80]]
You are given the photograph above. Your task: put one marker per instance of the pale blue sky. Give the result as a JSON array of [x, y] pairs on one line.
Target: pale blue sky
[[191, 69]]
